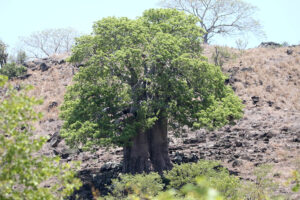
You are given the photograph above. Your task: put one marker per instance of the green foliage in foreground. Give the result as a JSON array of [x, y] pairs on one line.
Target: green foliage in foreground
[[146, 185], [296, 179], [137, 71], [205, 180], [217, 177], [197, 191], [199, 180], [24, 174], [12, 70]]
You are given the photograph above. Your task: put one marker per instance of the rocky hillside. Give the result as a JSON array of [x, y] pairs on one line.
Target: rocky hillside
[[267, 79]]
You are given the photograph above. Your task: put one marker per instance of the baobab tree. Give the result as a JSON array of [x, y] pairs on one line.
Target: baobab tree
[[139, 78]]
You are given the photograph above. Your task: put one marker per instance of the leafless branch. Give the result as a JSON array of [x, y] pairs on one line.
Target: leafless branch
[[225, 17], [50, 41]]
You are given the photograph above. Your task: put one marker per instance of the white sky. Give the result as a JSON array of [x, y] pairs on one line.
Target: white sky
[[280, 18]]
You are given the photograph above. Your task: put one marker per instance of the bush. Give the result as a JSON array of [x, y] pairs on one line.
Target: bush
[[221, 55], [184, 181], [21, 57], [3, 53], [263, 187], [296, 179], [141, 185], [241, 45], [217, 177], [147, 187], [12, 70], [198, 191], [24, 173]]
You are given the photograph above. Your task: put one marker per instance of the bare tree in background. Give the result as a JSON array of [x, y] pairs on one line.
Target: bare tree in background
[[49, 41], [223, 17], [3, 53]]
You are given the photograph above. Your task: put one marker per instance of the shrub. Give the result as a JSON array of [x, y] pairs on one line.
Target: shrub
[[217, 177], [12, 70], [24, 173], [147, 187], [198, 191], [205, 180], [141, 185], [221, 55], [186, 181], [3, 53], [263, 187], [21, 57], [296, 179], [241, 45]]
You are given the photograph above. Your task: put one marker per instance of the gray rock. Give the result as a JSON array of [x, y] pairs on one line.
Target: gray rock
[[190, 141], [289, 52], [237, 163], [247, 69], [52, 105], [43, 67], [109, 166], [269, 44], [270, 103], [23, 77], [255, 99], [54, 139], [65, 153]]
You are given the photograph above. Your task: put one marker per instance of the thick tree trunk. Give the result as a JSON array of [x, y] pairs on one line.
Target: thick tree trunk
[[159, 146], [149, 150], [137, 156]]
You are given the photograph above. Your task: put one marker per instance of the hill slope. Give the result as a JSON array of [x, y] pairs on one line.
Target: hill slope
[[266, 79]]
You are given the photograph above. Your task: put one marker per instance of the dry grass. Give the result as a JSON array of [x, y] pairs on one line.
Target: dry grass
[[49, 86], [275, 75]]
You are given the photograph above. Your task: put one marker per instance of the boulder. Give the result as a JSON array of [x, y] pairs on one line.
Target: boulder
[[54, 139], [255, 99], [52, 105], [269, 44], [43, 67], [289, 52]]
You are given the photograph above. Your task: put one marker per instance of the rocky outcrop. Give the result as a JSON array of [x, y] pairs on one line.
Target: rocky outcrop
[[269, 44]]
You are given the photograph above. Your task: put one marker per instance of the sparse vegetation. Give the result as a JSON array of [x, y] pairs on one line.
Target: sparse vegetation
[[241, 45], [296, 180], [263, 187]]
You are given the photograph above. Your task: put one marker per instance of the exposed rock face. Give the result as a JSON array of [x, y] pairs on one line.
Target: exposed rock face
[[269, 44], [268, 133]]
